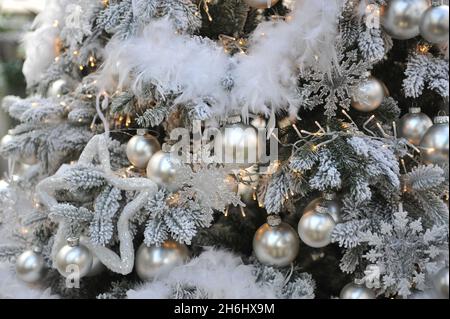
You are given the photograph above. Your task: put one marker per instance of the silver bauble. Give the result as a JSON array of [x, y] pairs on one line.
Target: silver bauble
[[434, 24], [261, 4], [57, 88], [315, 229], [330, 205], [414, 125], [30, 266], [162, 169], [434, 145], [276, 243], [401, 18], [354, 291], [156, 262], [237, 143], [441, 282], [368, 95], [141, 148], [74, 258], [5, 140]]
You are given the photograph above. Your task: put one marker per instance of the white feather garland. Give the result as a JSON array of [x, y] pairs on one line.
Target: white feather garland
[[219, 274], [12, 288], [264, 80]]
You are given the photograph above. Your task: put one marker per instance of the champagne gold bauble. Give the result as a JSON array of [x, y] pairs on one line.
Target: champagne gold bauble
[[74, 258], [30, 266], [368, 95], [276, 243], [435, 143], [156, 262], [401, 18], [330, 205], [315, 229], [141, 148], [414, 125], [354, 291], [434, 24]]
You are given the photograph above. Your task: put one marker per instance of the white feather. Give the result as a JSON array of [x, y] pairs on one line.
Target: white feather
[[218, 273]]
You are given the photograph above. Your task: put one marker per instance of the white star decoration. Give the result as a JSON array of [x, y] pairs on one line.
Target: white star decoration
[[46, 190]]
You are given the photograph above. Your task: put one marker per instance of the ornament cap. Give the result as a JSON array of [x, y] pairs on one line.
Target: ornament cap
[[273, 220], [329, 195], [415, 110], [441, 119], [233, 119], [37, 249], [141, 131], [73, 241]]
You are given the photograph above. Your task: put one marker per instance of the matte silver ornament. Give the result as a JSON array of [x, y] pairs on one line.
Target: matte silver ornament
[[57, 88], [355, 291], [155, 262], [368, 95], [401, 18], [315, 229], [74, 258], [414, 125], [261, 4], [238, 144], [434, 24], [162, 169], [141, 148], [276, 243], [329, 204], [435, 143], [441, 282], [30, 266]]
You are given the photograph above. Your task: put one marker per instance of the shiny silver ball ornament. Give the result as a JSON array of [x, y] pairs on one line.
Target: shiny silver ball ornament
[[315, 229], [434, 24], [5, 140], [368, 95], [156, 262], [57, 88], [401, 18], [141, 148], [237, 144], [355, 291], [30, 266], [74, 258], [329, 204], [276, 243], [441, 282], [414, 125], [261, 4], [434, 145], [162, 169]]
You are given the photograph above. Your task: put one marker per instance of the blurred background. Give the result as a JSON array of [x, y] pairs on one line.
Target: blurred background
[[16, 17]]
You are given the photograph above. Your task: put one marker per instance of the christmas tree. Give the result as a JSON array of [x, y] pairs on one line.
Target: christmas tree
[[287, 149]]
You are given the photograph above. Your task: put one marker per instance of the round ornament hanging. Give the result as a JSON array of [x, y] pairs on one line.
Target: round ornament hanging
[[57, 88], [355, 291], [261, 4], [162, 169], [315, 228], [237, 144], [441, 282], [155, 262], [327, 203], [74, 258], [30, 266], [276, 243], [435, 143], [434, 24], [401, 18], [141, 148], [414, 125], [368, 95]]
